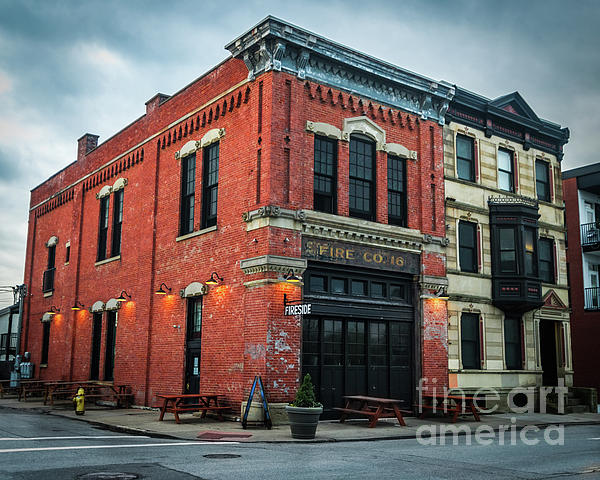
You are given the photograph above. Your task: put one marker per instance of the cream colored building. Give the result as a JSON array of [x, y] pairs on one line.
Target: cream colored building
[[508, 306]]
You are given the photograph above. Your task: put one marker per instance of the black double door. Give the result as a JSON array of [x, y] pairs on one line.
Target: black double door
[[358, 357]]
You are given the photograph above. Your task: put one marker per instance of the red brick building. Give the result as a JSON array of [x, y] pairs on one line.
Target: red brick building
[[297, 156], [582, 216]]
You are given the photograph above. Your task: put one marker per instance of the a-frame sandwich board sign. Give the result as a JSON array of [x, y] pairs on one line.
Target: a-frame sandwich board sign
[[267, 415]]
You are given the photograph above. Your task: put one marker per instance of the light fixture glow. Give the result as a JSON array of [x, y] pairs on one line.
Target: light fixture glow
[[160, 291], [53, 310], [214, 279], [291, 277], [122, 298], [77, 305]]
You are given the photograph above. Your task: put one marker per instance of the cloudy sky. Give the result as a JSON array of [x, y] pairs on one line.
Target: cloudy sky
[[71, 67]]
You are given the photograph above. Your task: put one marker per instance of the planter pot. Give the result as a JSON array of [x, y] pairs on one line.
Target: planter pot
[[303, 421]]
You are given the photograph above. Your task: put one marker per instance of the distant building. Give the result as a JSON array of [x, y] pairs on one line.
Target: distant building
[[582, 200], [508, 309], [9, 325], [296, 156]]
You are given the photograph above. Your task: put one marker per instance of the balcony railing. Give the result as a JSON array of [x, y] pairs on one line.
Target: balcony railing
[[590, 236], [48, 283], [592, 298]]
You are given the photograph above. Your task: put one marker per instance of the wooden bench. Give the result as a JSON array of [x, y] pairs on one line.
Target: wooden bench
[[454, 405], [204, 403], [372, 407], [31, 388], [92, 388]]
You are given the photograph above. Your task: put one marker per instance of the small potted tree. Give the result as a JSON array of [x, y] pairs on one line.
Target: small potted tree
[[304, 411]]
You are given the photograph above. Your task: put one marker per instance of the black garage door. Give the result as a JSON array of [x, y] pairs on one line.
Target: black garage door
[[358, 344]]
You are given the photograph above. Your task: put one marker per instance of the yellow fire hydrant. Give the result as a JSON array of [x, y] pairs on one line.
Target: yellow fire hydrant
[[79, 402]]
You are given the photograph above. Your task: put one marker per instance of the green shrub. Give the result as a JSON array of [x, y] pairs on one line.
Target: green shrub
[[305, 396]]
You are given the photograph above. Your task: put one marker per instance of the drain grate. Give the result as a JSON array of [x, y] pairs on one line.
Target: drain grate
[[221, 455], [108, 476]]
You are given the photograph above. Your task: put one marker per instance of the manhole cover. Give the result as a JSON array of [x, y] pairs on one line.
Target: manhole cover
[[108, 476], [221, 455]]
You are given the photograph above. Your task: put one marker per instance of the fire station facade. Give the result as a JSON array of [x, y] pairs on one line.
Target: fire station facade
[[164, 258], [296, 157]]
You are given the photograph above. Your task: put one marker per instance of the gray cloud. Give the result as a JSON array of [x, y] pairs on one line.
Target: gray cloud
[[68, 67]]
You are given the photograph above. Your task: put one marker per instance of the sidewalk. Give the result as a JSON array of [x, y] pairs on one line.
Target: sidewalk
[[145, 422]]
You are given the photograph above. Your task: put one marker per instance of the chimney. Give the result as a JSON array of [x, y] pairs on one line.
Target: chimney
[[155, 102], [86, 144]]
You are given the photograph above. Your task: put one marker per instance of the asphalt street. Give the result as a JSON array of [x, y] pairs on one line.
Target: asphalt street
[[40, 446]]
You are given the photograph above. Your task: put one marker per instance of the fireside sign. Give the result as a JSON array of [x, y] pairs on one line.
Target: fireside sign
[[301, 309], [360, 255]]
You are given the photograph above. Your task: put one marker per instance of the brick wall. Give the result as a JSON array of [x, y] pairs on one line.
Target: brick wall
[[244, 332]]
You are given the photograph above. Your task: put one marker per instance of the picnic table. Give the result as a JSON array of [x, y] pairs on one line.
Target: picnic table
[[372, 407], [93, 389], [204, 402], [448, 404], [30, 387]]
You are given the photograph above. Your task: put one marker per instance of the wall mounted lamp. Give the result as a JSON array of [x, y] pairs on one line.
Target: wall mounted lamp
[[442, 293], [77, 305], [214, 279], [122, 298], [160, 291], [291, 277], [53, 310]]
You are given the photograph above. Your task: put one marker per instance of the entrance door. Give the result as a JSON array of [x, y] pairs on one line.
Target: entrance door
[[193, 345], [96, 337], [548, 353], [111, 340]]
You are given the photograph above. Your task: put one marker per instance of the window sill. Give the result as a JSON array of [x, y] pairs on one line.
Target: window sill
[[196, 234], [43, 365], [66, 263], [107, 260], [48, 294]]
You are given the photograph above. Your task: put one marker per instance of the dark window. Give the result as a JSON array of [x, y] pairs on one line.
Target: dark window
[[211, 185], [465, 158], [116, 225], [359, 287], [45, 342], [506, 173], [362, 175], [508, 252], [467, 244], [530, 244], [68, 254], [546, 252], [188, 189], [194, 318], [318, 283], [542, 180], [311, 345], [103, 228], [339, 285], [96, 338], [396, 191], [469, 341], [48, 279], [378, 289], [111, 341], [512, 343], [397, 292], [325, 175]]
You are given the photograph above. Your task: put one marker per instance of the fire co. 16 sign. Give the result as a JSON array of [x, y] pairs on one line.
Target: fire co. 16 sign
[[360, 255]]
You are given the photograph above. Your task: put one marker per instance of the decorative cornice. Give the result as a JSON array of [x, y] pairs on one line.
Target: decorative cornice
[[273, 263], [492, 117], [328, 226], [276, 45]]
